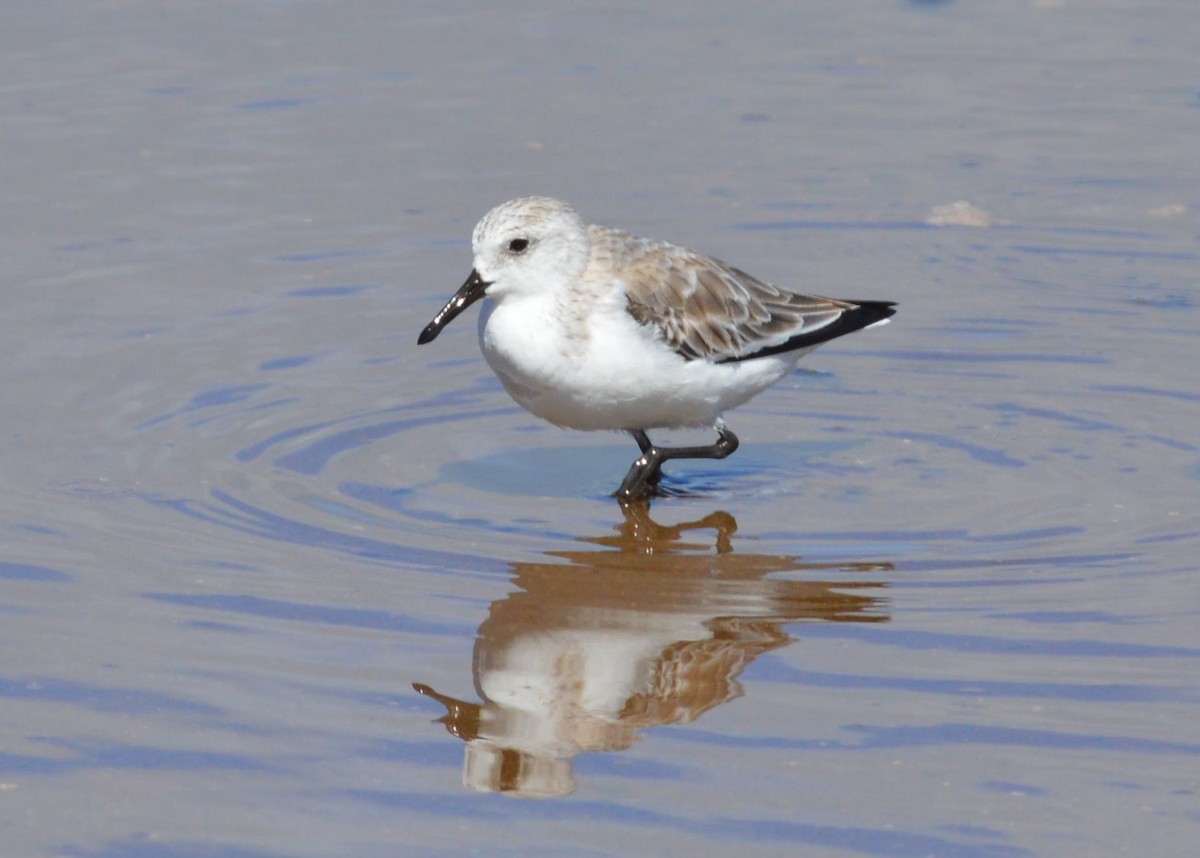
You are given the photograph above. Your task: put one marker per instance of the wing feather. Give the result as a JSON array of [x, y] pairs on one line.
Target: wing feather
[[705, 309]]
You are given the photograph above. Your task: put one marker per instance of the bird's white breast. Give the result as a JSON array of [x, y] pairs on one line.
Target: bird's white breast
[[600, 369]]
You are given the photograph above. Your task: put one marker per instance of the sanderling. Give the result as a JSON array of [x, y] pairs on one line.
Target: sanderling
[[593, 328]]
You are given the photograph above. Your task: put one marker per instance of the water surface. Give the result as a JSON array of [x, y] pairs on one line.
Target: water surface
[[275, 582]]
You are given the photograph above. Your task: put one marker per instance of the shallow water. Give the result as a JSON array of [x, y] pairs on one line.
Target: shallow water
[[277, 583]]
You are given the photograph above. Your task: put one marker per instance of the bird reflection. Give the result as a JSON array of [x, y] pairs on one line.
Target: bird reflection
[[652, 626]]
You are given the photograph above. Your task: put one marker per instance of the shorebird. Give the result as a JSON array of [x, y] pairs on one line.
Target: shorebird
[[590, 328]]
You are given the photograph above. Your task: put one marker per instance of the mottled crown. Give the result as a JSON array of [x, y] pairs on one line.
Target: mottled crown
[[525, 214], [534, 244]]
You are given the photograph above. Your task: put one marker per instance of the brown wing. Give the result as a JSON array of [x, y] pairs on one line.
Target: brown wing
[[706, 309]]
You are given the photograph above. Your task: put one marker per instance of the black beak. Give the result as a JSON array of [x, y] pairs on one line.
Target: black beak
[[467, 294]]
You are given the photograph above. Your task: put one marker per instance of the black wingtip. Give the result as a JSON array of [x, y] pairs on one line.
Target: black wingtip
[[868, 313], [862, 315]]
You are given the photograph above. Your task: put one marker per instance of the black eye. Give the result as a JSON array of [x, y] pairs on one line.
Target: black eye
[[518, 245]]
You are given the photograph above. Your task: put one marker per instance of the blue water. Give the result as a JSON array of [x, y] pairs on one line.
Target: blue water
[[276, 583]]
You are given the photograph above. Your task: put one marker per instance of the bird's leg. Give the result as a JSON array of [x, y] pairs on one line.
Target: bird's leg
[[725, 444], [646, 471], [643, 441]]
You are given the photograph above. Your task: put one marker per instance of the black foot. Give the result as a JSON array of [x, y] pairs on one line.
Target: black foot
[[642, 479], [646, 471]]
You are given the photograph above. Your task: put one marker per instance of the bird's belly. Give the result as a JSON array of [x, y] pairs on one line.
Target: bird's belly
[[627, 387]]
